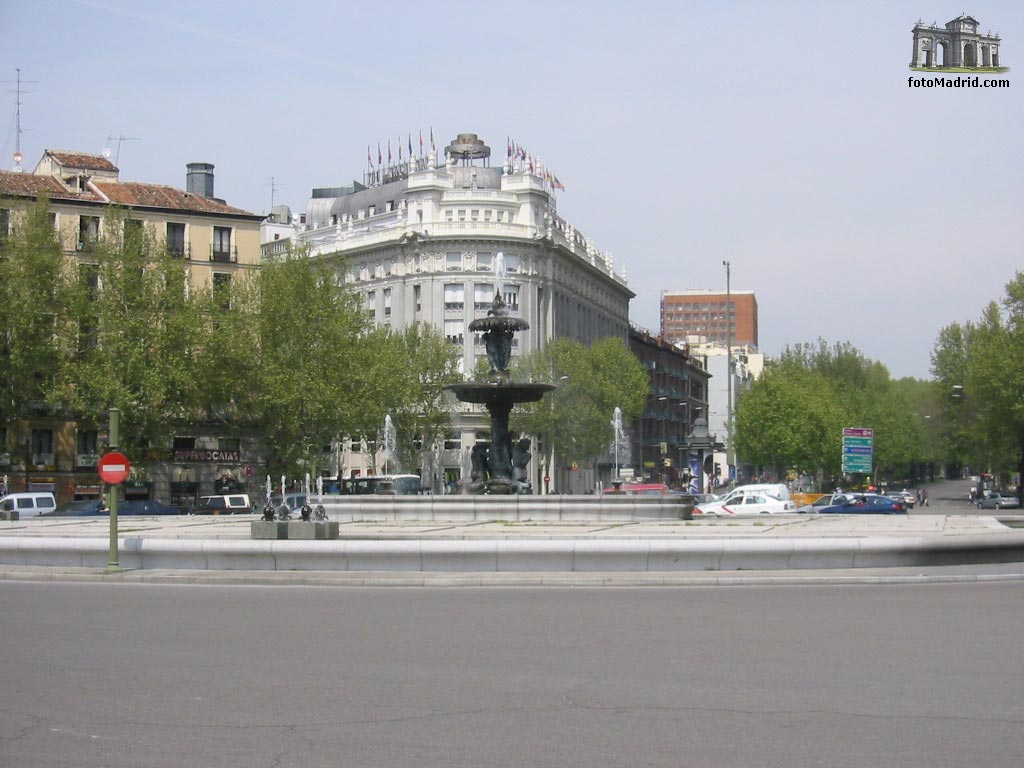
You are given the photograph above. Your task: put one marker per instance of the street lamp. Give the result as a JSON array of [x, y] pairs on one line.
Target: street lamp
[[728, 356]]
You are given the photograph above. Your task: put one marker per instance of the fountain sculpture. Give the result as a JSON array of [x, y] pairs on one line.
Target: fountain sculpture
[[499, 468]]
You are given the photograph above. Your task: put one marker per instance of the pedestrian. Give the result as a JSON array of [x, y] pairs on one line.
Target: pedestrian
[[924, 497], [920, 498]]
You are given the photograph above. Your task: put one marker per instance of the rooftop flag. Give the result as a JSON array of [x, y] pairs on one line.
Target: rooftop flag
[[556, 184], [369, 159], [421, 142], [410, 146], [380, 160]]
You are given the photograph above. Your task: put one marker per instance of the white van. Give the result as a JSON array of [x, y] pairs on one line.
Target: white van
[[18, 506]]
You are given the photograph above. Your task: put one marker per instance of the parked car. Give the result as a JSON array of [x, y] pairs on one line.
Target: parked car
[[865, 504], [639, 489], [98, 508], [909, 499], [85, 508], [229, 504], [30, 504], [825, 500], [999, 500], [696, 498], [744, 503]]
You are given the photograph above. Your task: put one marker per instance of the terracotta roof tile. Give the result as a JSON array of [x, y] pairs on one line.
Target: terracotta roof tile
[[30, 185], [82, 160], [138, 195]]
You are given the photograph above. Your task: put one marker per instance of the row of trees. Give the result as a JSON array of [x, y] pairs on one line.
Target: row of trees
[[792, 418], [979, 374], [971, 414], [285, 352]]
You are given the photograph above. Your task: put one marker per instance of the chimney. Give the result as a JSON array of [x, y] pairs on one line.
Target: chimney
[[199, 179]]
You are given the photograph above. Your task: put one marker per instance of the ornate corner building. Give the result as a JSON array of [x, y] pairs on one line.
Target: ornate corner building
[[419, 239]]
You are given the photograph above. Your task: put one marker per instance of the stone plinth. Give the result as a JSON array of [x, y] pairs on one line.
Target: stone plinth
[[312, 529], [269, 529]]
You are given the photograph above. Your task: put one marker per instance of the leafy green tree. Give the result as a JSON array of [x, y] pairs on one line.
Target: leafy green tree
[[136, 336], [995, 380], [35, 296], [574, 420], [311, 384]]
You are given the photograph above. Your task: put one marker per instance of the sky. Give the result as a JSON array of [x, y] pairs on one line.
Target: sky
[[782, 137]]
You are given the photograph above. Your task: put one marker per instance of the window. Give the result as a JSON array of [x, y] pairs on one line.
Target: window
[[132, 230], [453, 331], [222, 289], [483, 293], [454, 296], [87, 448], [474, 214], [88, 232], [484, 261], [387, 302], [449, 216], [42, 447], [512, 297], [176, 238], [417, 291], [183, 444], [371, 302], [453, 441], [222, 244], [453, 261], [511, 263]]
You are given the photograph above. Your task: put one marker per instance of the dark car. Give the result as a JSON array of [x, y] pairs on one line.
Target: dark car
[[999, 500], [97, 508], [87, 508], [865, 504]]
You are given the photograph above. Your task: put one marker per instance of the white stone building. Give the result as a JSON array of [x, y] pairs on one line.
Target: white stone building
[[419, 240]]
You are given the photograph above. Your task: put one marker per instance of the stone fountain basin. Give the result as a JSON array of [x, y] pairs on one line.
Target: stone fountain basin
[[499, 392]]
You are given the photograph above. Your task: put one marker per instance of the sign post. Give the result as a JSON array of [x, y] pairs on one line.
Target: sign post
[[113, 469], [858, 450]]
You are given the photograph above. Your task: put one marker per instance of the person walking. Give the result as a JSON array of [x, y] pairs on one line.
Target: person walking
[[924, 497]]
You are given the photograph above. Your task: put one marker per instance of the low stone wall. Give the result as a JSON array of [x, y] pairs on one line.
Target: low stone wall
[[462, 509]]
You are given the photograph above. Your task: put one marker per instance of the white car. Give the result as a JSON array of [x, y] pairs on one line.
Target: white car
[[746, 504]]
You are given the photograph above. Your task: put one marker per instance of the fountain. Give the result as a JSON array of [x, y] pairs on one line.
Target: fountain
[[390, 438], [499, 468]]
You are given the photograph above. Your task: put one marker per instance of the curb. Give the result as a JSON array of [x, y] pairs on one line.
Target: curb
[[467, 579]]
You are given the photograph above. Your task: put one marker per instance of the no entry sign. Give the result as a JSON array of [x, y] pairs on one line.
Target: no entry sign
[[113, 468]]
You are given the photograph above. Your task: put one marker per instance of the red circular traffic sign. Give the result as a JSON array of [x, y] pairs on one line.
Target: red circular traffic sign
[[113, 468]]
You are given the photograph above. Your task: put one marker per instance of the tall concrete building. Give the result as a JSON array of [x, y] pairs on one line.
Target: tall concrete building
[[420, 238], [704, 313]]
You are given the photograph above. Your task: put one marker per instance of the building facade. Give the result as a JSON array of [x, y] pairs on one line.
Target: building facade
[[419, 241], [709, 315], [215, 241], [678, 394]]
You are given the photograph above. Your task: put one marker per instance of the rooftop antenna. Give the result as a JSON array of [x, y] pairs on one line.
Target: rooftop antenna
[[17, 119], [120, 140], [273, 188]]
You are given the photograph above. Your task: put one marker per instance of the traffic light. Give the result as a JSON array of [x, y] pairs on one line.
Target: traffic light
[[718, 469]]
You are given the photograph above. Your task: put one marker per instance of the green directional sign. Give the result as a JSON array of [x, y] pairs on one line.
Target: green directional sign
[[858, 450]]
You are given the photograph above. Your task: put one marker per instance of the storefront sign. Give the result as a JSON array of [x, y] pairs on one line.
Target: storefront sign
[[211, 455]]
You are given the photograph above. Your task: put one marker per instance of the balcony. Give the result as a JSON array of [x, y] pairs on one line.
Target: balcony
[[180, 251], [43, 461], [223, 255], [86, 460]]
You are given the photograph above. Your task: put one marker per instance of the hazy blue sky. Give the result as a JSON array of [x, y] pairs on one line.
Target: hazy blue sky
[[781, 136]]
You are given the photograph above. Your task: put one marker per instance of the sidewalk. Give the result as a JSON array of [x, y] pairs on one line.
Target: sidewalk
[[778, 549]]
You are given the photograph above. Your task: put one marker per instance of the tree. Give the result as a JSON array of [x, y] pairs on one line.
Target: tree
[[35, 296], [574, 420], [136, 337], [313, 382]]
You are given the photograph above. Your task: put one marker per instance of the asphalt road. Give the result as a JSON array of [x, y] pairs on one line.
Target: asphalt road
[[271, 677]]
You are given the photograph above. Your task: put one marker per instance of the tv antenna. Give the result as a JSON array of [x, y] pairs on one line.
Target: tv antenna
[[17, 118], [120, 140]]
